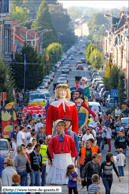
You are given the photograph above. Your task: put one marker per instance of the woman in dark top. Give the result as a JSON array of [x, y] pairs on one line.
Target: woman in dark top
[[106, 172]]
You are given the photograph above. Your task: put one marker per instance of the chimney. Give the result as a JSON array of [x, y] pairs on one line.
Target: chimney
[[18, 31]]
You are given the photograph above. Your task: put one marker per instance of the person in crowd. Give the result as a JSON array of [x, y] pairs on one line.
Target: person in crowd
[[38, 125], [92, 96], [100, 118], [21, 136], [91, 127], [94, 188], [103, 135], [92, 167], [108, 137], [121, 126], [34, 142], [29, 148], [113, 128], [107, 122], [16, 179], [29, 123], [73, 178], [85, 156], [40, 134], [117, 112], [120, 162], [14, 140], [1, 169], [96, 149], [117, 125], [108, 112], [36, 165], [27, 134], [44, 153], [34, 135], [8, 172], [17, 97], [83, 86], [106, 172], [99, 132], [86, 137], [121, 142], [20, 164], [96, 96]]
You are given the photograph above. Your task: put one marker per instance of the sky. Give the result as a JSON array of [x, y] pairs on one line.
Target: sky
[[95, 4]]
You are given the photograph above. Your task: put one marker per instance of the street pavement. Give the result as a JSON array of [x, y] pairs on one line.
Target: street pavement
[[117, 187]]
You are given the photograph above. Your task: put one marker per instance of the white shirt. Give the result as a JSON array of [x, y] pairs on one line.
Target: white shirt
[[94, 123], [20, 136], [28, 134], [109, 133], [30, 140], [117, 112], [86, 137], [121, 128], [38, 125], [94, 132], [120, 157], [29, 151], [29, 126]]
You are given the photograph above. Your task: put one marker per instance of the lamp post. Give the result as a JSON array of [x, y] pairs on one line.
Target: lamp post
[[14, 34], [32, 29]]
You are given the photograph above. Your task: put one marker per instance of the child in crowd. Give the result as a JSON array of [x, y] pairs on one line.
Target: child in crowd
[[94, 188], [34, 143], [73, 178], [29, 148], [16, 179], [108, 137], [120, 162]]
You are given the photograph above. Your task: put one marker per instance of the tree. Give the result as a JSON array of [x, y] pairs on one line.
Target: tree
[[74, 13], [88, 43], [19, 13], [6, 80], [34, 70], [114, 77], [43, 19], [121, 87], [98, 63], [17, 2], [89, 50]]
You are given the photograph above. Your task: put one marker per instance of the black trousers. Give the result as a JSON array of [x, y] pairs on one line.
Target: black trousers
[[74, 189], [89, 182]]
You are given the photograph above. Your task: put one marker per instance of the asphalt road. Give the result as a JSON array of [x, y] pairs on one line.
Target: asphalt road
[[117, 188]]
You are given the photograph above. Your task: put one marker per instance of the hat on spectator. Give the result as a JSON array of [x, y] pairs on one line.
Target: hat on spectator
[[90, 125], [84, 78], [58, 121]]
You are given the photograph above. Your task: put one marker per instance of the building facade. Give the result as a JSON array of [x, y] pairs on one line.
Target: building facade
[[5, 30]]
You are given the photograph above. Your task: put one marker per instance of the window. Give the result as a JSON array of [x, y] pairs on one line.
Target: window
[[5, 6], [6, 41]]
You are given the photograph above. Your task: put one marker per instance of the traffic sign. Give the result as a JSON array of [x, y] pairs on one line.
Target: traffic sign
[[114, 93]]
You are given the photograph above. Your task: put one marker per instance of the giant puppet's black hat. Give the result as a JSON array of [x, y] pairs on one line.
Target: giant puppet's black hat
[[78, 78]]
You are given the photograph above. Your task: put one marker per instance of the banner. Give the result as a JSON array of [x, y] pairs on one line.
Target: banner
[[8, 118]]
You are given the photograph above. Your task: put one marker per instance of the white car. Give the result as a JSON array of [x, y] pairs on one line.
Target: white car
[[95, 107], [5, 149]]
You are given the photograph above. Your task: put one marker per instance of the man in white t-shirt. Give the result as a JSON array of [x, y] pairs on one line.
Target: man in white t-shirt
[[27, 134], [34, 134], [86, 137], [21, 137], [38, 125], [91, 127]]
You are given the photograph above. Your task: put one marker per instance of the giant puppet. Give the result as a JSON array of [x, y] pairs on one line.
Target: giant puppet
[[62, 149], [60, 108]]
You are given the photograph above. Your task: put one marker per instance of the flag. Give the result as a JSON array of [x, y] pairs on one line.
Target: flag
[[24, 62], [47, 56]]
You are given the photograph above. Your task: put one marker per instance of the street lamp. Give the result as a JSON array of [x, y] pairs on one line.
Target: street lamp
[[32, 29], [14, 34]]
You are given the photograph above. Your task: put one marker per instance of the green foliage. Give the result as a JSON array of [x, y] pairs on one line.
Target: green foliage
[[88, 43], [106, 83], [114, 77], [89, 50], [121, 87], [74, 13], [19, 13], [43, 19], [17, 2], [62, 23], [96, 65], [34, 72], [6, 80]]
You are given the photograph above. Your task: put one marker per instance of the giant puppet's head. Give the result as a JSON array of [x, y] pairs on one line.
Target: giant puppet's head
[[62, 91]]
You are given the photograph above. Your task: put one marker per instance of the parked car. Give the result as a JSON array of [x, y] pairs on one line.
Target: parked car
[[71, 57], [95, 80], [48, 79], [99, 87], [64, 75], [111, 103], [65, 69], [104, 97], [125, 123], [37, 96], [79, 67], [101, 92], [47, 94], [69, 66], [95, 107], [67, 62], [97, 84], [62, 80], [42, 86], [80, 52], [5, 149], [78, 63], [83, 60]]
